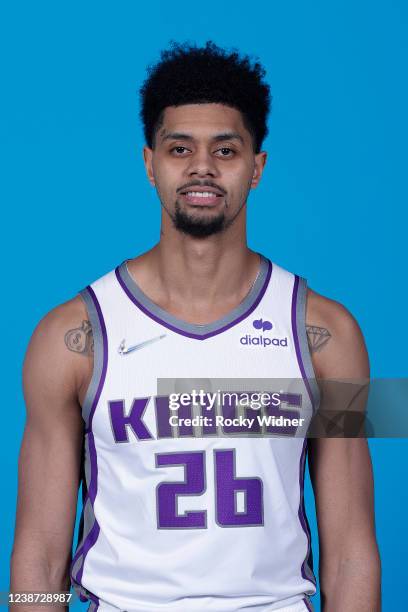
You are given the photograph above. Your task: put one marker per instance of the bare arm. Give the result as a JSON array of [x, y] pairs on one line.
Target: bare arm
[[55, 372], [341, 473]]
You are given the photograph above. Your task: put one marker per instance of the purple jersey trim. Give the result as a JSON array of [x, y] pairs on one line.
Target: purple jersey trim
[[94, 605], [301, 511], [91, 494], [296, 340], [307, 604], [303, 519], [176, 329]]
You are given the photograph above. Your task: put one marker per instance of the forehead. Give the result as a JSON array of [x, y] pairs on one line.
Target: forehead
[[203, 120]]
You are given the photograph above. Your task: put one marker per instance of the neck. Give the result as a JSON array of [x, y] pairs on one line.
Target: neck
[[200, 280]]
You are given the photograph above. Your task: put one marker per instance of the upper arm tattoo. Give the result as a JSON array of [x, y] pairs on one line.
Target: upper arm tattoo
[[80, 339], [317, 337]]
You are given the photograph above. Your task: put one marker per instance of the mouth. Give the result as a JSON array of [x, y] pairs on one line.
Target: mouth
[[202, 197]]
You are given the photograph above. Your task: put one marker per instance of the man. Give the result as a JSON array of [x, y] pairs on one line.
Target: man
[[180, 516]]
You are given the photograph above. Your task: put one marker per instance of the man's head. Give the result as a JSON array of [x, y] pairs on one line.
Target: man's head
[[204, 113]]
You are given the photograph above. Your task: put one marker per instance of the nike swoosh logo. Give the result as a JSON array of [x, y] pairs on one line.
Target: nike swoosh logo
[[124, 350]]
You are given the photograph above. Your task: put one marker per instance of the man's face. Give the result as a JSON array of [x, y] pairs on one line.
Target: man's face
[[203, 166]]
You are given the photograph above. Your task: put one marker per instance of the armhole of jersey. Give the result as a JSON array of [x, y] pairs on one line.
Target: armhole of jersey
[[301, 342], [100, 354]]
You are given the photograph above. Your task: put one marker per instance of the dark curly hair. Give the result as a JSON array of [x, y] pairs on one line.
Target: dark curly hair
[[187, 74]]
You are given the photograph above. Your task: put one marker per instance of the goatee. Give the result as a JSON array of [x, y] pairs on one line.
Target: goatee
[[198, 227]]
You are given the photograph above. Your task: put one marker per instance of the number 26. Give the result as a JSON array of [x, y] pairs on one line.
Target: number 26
[[226, 483]]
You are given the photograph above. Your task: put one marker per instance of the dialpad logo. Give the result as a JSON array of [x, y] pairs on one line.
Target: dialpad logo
[[261, 324], [262, 340]]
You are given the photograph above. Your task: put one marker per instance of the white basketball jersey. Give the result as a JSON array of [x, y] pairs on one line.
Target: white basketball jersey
[[194, 508]]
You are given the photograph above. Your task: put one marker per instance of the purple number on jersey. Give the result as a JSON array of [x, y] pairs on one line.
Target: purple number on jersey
[[167, 493], [227, 486]]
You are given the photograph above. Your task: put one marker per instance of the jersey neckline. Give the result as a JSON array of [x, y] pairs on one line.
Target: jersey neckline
[[195, 330]]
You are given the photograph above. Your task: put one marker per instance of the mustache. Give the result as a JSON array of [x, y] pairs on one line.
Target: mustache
[[201, 184]]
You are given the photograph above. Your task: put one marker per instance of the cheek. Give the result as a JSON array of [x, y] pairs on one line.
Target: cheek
[[167, 176], [239, 170], [237, 180], [161, 177]]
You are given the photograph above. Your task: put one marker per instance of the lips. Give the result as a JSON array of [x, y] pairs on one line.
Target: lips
[[201, 196]]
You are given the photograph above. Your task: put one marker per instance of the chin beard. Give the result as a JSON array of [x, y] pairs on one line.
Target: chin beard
[[198, 228]]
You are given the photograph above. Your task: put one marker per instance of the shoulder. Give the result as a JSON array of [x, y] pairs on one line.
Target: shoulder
[[330, 315], [59, 321], [60, 351], [335, 339]]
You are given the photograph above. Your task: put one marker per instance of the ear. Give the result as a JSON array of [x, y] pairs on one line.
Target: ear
[[148, 162], [259, 165]]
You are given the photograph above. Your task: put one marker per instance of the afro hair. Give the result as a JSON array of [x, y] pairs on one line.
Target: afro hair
[[187, 74]]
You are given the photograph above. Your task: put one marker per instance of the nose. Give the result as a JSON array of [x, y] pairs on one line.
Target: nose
[[202, 164]]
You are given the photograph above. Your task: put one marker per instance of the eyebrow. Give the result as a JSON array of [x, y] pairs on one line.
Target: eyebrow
[[216, 138]]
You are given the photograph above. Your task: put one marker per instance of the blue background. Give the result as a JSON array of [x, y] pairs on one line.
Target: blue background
[[331, 206]]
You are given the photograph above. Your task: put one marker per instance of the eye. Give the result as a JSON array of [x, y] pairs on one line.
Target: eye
[[225, 152], [178, 150]]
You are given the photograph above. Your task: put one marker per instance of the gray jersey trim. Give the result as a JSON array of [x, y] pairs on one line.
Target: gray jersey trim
[[228, 320], [303, 342], [98, 355]]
